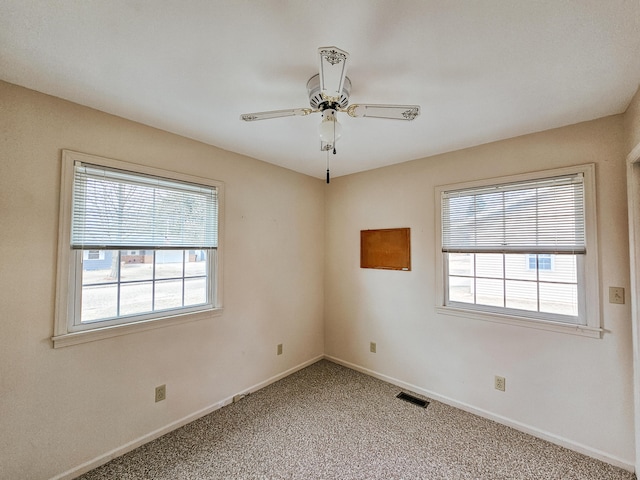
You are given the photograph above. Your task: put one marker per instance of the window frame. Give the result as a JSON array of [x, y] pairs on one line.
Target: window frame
[[69, 273], [587, 271]]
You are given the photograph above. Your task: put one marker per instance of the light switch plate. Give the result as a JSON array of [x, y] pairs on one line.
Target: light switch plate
[[616, 295]]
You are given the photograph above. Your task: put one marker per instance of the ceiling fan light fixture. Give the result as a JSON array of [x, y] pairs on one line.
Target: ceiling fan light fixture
[[329, 129]]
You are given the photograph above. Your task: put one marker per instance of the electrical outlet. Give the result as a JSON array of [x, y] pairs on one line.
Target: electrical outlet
[[161, 393], [500, 383], [372, 347], [616, 295], [279, 349]]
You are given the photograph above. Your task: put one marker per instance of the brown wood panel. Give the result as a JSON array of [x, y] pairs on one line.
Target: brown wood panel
[[388, 249]]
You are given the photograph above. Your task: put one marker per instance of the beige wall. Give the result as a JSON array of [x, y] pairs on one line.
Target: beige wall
[[574, 390], [62, 407]]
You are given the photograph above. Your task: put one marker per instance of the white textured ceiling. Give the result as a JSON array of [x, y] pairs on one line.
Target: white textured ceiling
[[480, 70]]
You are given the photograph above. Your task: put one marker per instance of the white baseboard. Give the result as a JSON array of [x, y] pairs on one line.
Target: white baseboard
[[550, 437], [127, 447]]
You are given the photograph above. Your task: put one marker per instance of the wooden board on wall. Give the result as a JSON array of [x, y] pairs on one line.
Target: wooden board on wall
[[388, 249]]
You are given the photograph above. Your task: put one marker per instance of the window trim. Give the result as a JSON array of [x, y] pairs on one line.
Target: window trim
[[589, 295], [64, 335]]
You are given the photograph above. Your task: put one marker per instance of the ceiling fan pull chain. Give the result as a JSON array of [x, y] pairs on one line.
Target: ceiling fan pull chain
[[328, 176], [334, 137]]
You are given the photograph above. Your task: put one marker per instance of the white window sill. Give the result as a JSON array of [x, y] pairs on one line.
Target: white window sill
[[573, 329], [99, 333]]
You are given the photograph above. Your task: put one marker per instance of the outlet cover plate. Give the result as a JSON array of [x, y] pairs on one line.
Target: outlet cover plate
[[616, 295], [161, 393]]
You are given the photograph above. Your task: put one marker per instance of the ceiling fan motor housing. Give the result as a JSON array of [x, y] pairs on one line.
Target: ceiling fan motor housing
[[316, 99]]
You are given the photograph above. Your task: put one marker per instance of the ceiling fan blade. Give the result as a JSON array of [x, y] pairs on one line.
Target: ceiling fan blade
[[333, 70], [250, 117], [396, 112]]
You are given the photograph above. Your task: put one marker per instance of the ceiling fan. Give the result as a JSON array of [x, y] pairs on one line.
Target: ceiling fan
[[329, 94]]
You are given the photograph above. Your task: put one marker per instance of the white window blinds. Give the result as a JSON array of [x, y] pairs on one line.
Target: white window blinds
[[539, 216], [113, 209]]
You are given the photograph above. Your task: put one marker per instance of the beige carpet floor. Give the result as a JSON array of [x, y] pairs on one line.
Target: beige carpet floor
[[330, 422]]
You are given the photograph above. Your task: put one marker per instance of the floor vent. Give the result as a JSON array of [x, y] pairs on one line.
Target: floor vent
[[411, 399]]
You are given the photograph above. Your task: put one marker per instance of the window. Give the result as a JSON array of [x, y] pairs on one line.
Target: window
[[93, 255], [522, 250], [540, 261], [139, 248]]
